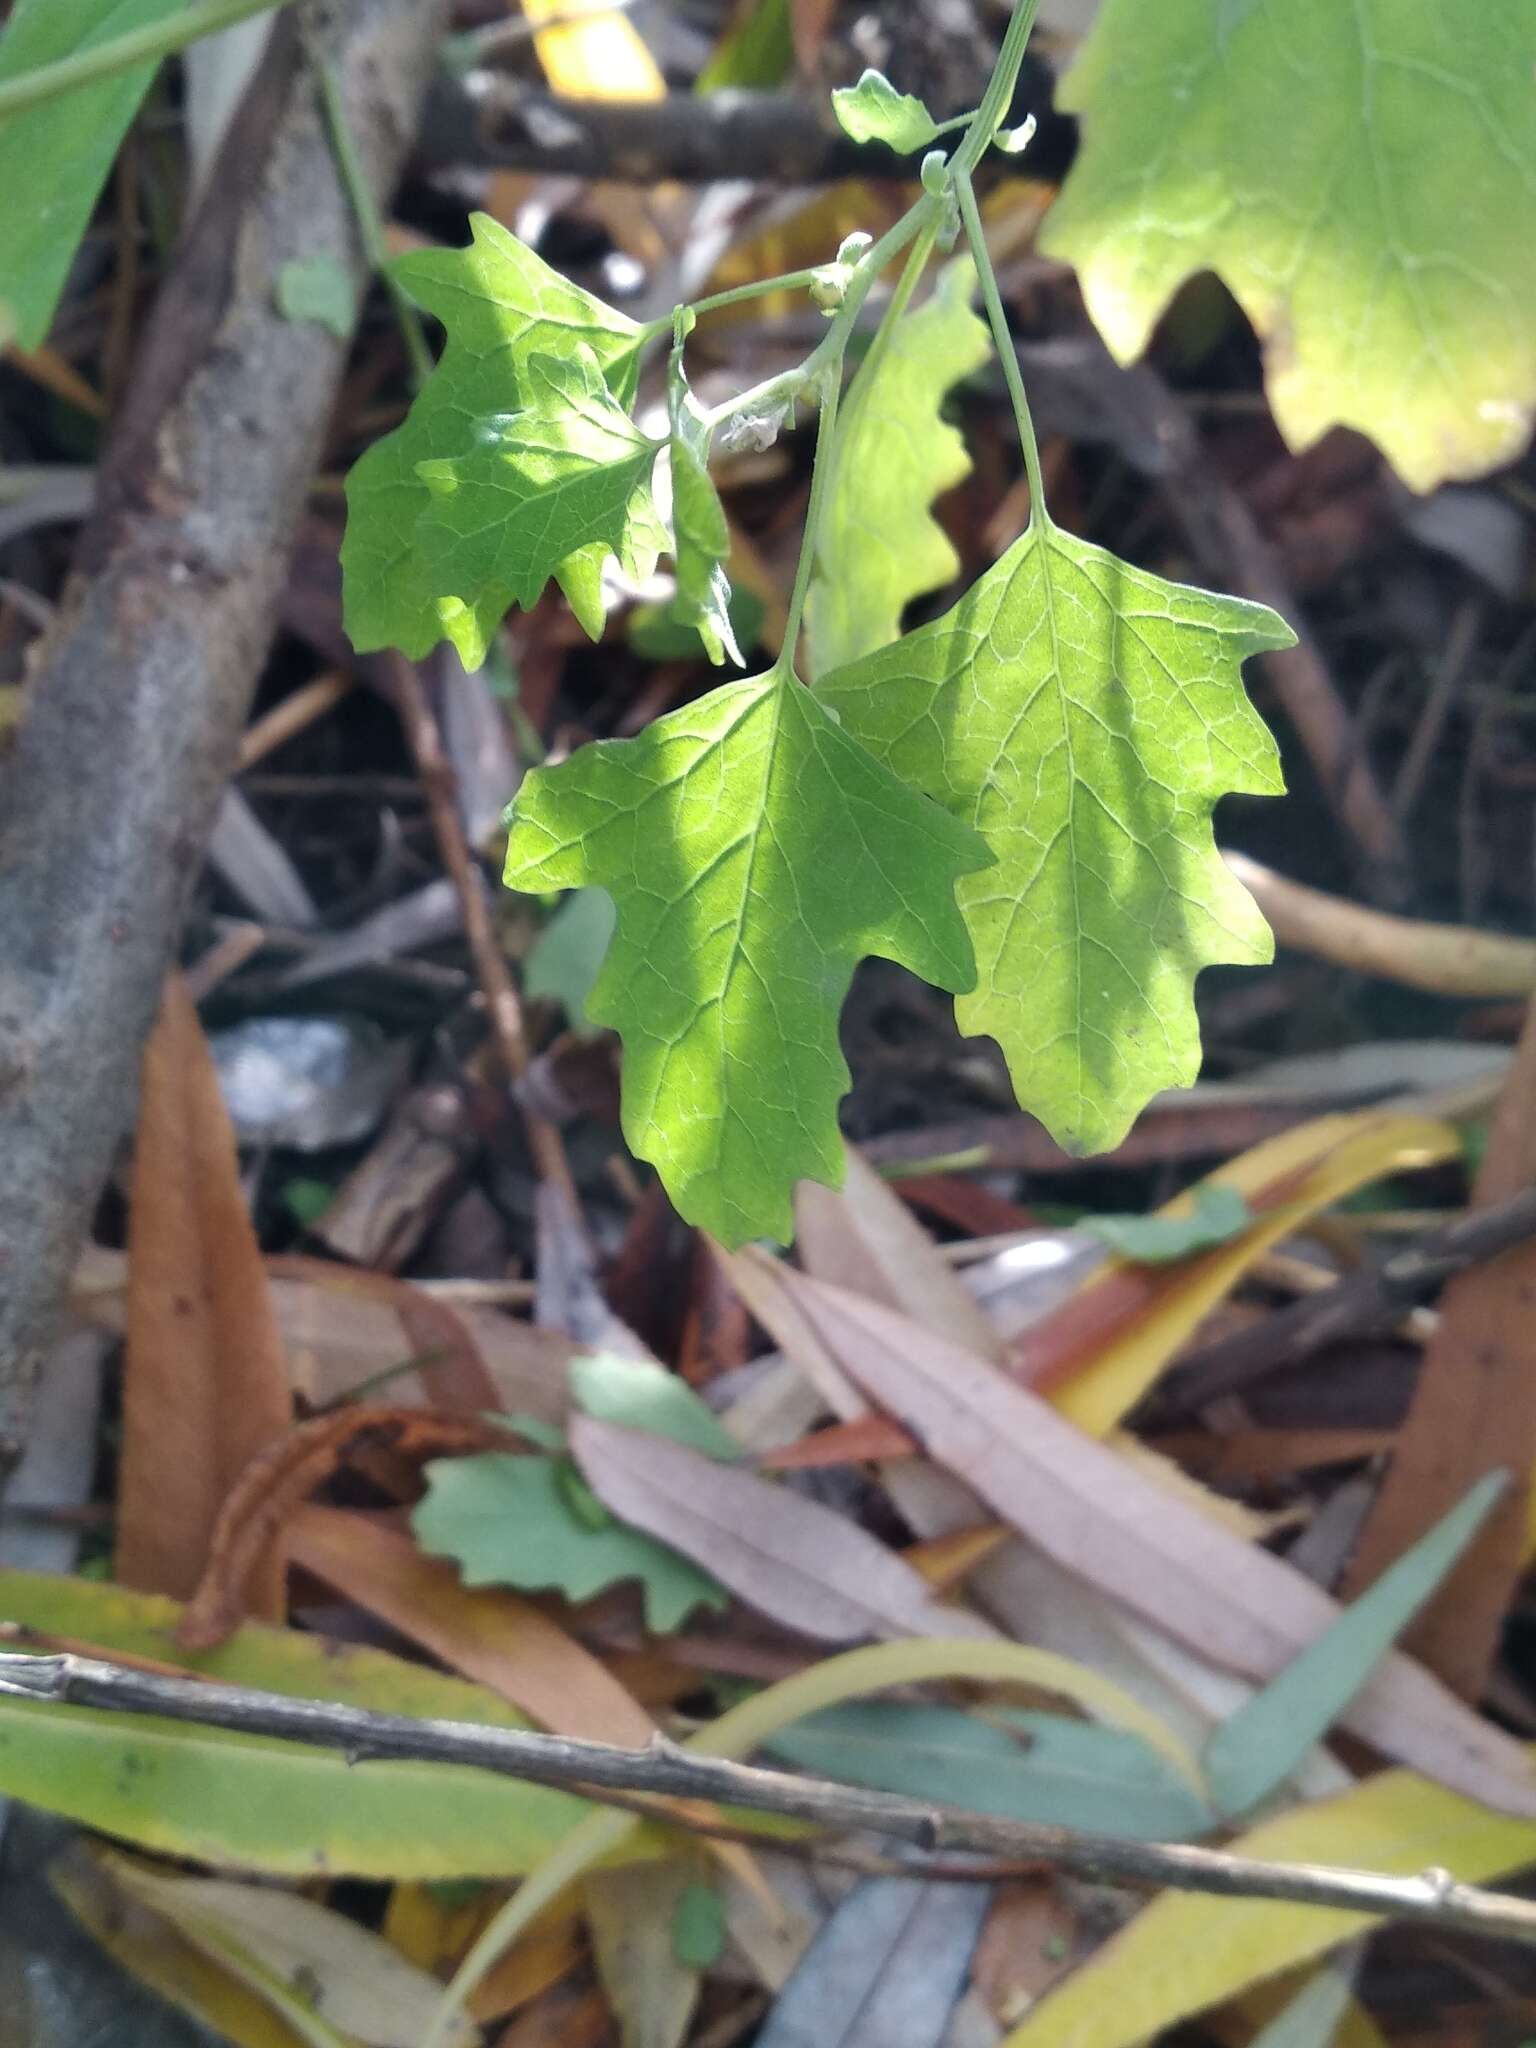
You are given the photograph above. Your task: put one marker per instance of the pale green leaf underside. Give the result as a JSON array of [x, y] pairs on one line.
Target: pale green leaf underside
[[500, 306], [755, 854], [54, 157], [1084, 717], [703, 536], [554, 478], [874, 111], [880, 545], [1362, 177]]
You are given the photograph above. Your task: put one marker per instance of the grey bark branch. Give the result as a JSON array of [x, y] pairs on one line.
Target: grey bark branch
[[665, 1770], [139, 692]]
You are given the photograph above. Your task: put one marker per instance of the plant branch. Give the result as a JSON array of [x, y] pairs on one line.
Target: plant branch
[[1366, 1302], [663, 1769], [145, 45]]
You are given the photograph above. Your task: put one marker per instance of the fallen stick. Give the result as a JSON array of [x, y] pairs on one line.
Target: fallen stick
[[665, 1770]]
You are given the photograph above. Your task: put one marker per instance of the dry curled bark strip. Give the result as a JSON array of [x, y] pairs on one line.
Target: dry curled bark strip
[[139, 692]]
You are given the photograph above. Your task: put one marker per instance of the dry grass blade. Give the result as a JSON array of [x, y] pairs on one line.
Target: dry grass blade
[[205, 1385], [1099, 1517]]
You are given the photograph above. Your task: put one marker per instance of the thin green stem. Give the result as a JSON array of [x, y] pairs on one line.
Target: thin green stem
[[791, 281], [831, 382], [145, 45], [998, 97], [1002, 340], [370, 227]]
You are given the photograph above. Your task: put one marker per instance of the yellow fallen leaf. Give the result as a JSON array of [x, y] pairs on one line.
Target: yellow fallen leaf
[[1332, 1157], [596, 56], [1187, 1950]]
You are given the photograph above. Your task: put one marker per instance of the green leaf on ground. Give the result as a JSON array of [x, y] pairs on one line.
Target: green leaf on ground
[[874, 111], [54, 157], [699, 1927], [1217, 1215], [755, 854], [1051, 1769], [501, 306], [316, 290], [703, 538], [880, 545], [554, 478], [236, 1800], [508, 1520], [564, 959], [640, 1394], [1084, 717], [1256, 1749], [1362, 178]]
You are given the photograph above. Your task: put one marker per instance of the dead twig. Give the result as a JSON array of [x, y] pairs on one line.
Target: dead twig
[[140, 689], [664, 1769], [1369, 1303]]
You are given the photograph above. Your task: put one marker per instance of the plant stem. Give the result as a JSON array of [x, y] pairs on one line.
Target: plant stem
[[145, 45], [998, 97], [791, 281], [370, 227], [831, 381], [1003, 342]]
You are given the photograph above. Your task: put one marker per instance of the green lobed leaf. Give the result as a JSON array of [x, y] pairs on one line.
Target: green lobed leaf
[[54, 157], [509, 1520], [239, 1801], [755, 854], [1256, 1748], [1084, 716], [880, 546], [1362, 178], [1068, 1773], [874, 111], [703, 538], [1216, 1216], [556, 478], [501, 306], [639, 1394]]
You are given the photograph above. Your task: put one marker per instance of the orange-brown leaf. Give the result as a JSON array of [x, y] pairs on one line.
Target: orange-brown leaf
[[205, 1384]]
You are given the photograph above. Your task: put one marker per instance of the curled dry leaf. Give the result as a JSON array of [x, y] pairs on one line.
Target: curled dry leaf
[[205, 1384], [279, 1478], [787, 1556], [1153, 1552]]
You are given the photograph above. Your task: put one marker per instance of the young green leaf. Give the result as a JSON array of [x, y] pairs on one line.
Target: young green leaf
[[501, 306], [755, 854], [54, 157], [1360, 177], [874, 111], [1084, 717], [703, 538], [1217, 1215], [642, 1395], [317, 290], [699, 1927], [880, 546], [568, 471], [1257, 1748], [508, 1520]]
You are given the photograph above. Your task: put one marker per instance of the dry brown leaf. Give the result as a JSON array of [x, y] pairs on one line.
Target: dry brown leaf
[[630, 1911], [1031, 1938], [1168, 1561], [1473, 1412], [485, 1632], [787, 1556], [205, 1382], [863, 1237], [567, 2016], [280, 1478]]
